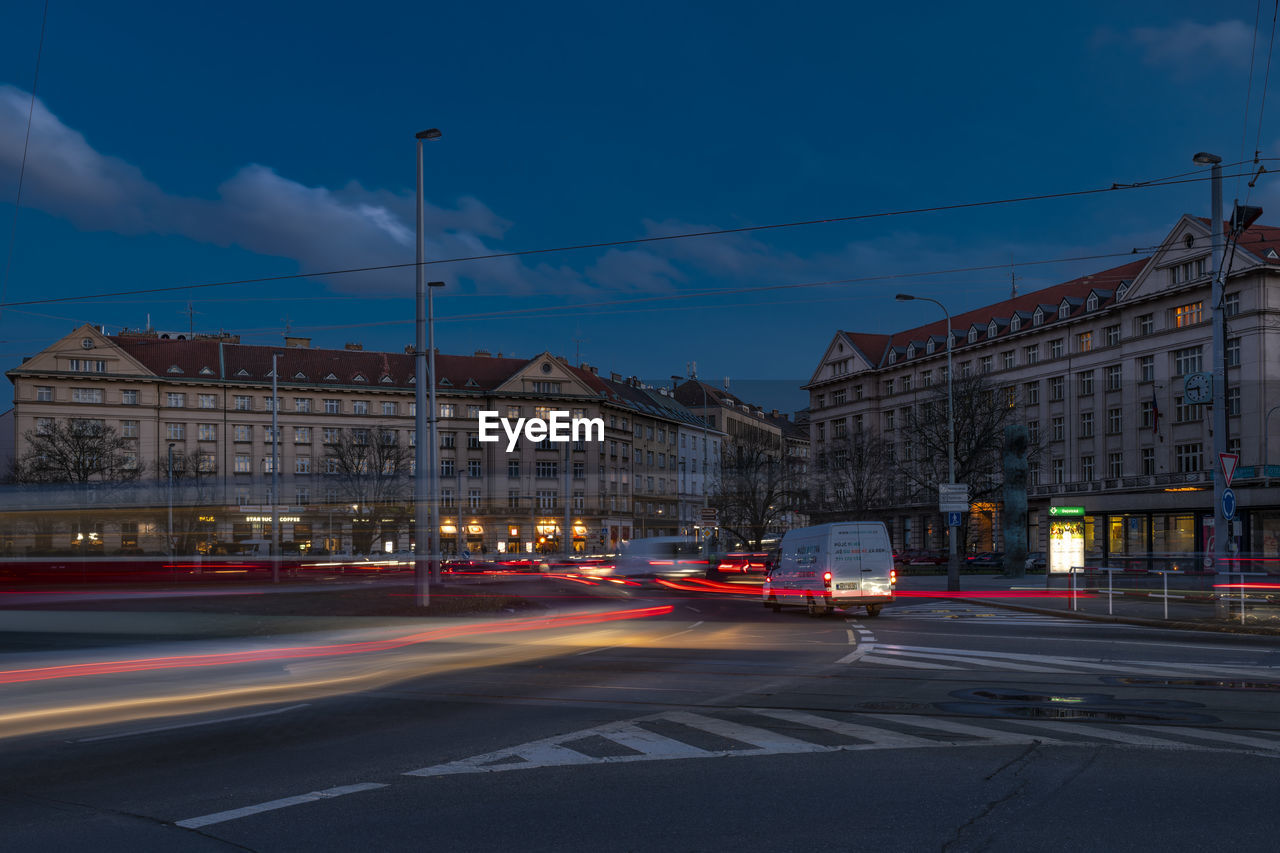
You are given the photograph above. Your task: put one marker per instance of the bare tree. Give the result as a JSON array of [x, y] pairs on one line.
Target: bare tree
[[982, 411], [755, 488], [195, 490], [372, 472], [854, 478]]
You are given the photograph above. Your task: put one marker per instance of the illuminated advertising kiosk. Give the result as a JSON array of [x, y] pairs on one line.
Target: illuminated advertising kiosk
[[1066, 539]]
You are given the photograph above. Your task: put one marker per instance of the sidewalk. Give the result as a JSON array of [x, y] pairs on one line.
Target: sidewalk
[[1188, 609]]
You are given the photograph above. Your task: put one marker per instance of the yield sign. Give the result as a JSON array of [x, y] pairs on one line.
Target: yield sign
[[1229, 462]]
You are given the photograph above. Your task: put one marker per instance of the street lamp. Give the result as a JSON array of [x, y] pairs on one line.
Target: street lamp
[[171, 543], [953, 563], [422, 569], [1218, 347]]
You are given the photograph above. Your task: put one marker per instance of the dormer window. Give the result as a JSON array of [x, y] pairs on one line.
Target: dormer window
[[1122, 290], [1038, 317], [930, 346], [1092, 303], [911, 351], [973, 335], [1015, 324], [1064, 310], [992, 328], [893, 356]]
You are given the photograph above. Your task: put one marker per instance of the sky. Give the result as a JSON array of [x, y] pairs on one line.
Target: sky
[[174, 144]]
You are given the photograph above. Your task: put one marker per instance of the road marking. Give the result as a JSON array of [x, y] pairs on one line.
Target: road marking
[[962, 657], [960, 728], [1105, 733], [1226, 737], [760, 738], [858, 654], [876, 736], [654, 640], [234, 814], [853, 639], [886, 654], [187, 725], [894, 661]]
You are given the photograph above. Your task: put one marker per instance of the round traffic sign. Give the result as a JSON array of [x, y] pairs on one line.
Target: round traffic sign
[[1228, 504]]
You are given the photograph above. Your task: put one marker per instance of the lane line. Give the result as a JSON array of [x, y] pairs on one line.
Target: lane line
[[853, 640], [272, 805], [893, 661], [188, 725], [858, 654], [1226, 737], [994, 663]]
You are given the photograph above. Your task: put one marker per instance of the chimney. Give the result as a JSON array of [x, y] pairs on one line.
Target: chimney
[[354, 347], [483, 353], [616, 377], [300, 343], [773, 414]]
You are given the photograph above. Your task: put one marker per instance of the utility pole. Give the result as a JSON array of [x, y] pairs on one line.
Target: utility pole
[[1217, 352], [275, 469]]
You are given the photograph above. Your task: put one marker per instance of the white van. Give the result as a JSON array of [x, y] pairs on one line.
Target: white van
[[830, 566], [663, 556]]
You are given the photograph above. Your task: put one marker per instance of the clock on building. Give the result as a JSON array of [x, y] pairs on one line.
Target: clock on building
[[1198, 388]]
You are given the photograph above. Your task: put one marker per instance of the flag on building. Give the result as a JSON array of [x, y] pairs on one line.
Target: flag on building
[[1155, 416]]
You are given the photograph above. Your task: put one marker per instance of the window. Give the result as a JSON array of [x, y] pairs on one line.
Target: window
[[1115, 465], [1031, 354], [449, 439], [302, 435], [1085, 382], [888, 387], [1233, 352], [1032, 392], [1056, 387], [358, 436], [1187, 457], [359, 407], [1084, 342], [1007, 360], [839, 428], [1147, 368], [513, 498], [447, 468], [1146, 414], [1187, 315], [1233, 400], [1113, 377], [332, 435], [545, 469], [302, 465], [837, 397], [1144, 325], [1059, 471], [1148, 461], [1183, 273], [242, 432], [966, 368], [333, 407], [44, 393], [513, 469], [271, 404], [1033, 432], [302, 496], [546, 387], [1086, 469], [446, 498], [984, 364], [1064, 310], [1183, 412], [1115, 420], [1055, 429], [1186, 361], [473, 412], [175, 432], [1055, 348], [86, 395], [579, 471], [207, 401], [447, 410], [906, 383], [331, 465], [473, 441], [888, 419], [268, 434], [546, 499], [243, 403], [473, 498], [1086, 424], [44, 426], [207, 432], [473, 468], [388, 408], [129, 398], [1231, 304], [243, 464], [1112, 335]]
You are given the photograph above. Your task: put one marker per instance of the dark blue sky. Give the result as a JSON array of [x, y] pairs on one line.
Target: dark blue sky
[[178, 143]]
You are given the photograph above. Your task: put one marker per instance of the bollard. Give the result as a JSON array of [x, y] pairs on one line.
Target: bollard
[[1165, 575]]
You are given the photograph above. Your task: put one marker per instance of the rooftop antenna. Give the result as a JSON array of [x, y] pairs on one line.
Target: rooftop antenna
[[1013, 280], [577, 349]]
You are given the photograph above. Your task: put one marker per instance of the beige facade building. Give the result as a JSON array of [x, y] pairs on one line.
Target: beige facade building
[[210, 399], [1096, 368]]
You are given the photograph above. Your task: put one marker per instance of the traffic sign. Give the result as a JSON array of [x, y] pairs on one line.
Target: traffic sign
[[1228, 504], [1229, 462], [953, 497], [953, 519], [709, 515], [1074, 511]]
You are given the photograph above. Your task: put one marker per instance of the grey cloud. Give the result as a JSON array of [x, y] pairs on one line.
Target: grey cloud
[[1187, 42]]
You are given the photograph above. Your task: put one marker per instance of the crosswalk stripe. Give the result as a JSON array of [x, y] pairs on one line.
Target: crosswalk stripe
[[1209, 669], [995, 663], [877, 736], [963, 729], [653, 744], [759, 738], [894, 661], [1102, 732], [1226, 737]]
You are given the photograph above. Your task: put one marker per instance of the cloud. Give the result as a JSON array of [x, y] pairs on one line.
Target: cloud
[[1187, 42]]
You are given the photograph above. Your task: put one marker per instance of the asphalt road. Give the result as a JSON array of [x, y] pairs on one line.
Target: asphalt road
[[717, 724]]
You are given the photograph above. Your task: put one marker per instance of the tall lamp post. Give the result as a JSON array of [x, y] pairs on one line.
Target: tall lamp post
[[171, 543], [953, 561], [1218, 349], [423, 514]]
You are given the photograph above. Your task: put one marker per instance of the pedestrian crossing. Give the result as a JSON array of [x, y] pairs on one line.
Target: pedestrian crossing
[[976, 613], [940, 658], [722, 732]]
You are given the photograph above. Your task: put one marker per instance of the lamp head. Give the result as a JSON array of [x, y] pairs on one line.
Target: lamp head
[[433, 133], [435, 284], [1206, 159], [904, 297]]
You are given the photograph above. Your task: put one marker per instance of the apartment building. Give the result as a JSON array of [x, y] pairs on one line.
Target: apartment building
[[208, 398], [1096, 369]]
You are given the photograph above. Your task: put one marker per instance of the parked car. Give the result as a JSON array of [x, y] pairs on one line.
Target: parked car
[[928, 558], [1037, 561], [987, 559]]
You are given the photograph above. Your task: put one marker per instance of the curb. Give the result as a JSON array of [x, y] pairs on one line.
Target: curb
[[1220, 628]]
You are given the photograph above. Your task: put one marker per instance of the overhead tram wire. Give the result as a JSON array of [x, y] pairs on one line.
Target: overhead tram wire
[[1262, 106], [1248, 93], [1115, 187]]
